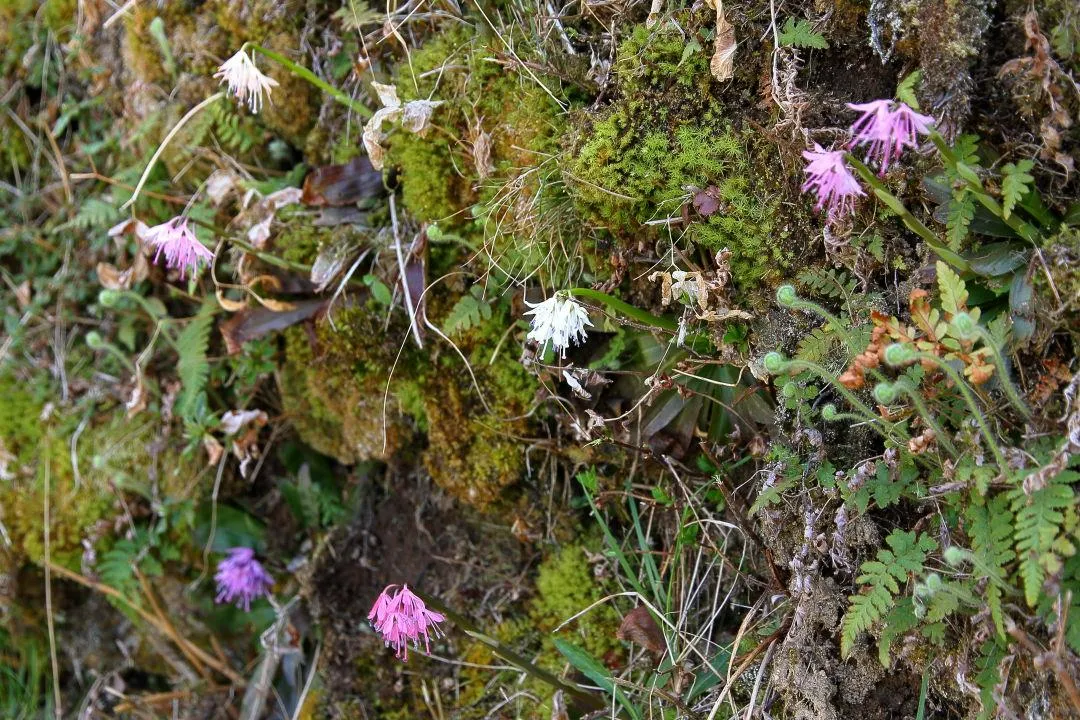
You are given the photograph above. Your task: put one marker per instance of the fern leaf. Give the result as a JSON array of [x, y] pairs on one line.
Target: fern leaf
[[467, 313], [193, 367], [827, 282], [1016, 183], [899, 621], [952, 290], [800, 33], [881, 579], [1039, 517], [990, 528], [905, 91], [959, 214]]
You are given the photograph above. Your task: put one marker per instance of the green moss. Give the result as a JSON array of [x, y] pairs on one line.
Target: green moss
[[565, 585], [514, 204], [37, 455], [640, 159]]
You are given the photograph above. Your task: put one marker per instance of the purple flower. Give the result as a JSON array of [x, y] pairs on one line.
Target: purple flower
[[828, 175], [887, 131], [402, 617], [182, 249], [241, 577]]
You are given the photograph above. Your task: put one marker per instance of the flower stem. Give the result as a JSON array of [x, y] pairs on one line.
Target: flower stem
[[305, 74], [910, 221], [588, 700], [168, 138], [625, 308]]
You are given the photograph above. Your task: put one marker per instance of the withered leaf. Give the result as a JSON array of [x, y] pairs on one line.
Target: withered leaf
[[253, 323], [639, 628], [723, 59], [341, 185], [707, 201]]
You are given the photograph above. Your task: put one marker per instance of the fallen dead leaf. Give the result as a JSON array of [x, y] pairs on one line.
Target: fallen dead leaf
[[640, 628], [724, 44]]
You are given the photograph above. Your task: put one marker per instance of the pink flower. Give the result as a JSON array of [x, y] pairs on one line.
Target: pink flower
[[828, 175], [402, 617], [887, 131], [242, 578], [182, 249]]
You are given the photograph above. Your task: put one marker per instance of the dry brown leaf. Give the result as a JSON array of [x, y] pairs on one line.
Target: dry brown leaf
[[724, 44], [639, 628], [112, 278], [137, 402]]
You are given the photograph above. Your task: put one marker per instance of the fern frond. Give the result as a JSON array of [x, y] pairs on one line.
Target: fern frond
[[469, 311], [800, 33], [827, 282], [1039, 540], [1015, 184], [951, 288], [881, 579], [959, 214], [990, 527], [193, 367]]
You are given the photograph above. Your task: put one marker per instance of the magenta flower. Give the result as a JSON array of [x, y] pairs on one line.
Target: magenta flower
[[887, 131], [241, 577], [402, 617], [828, 175], [182, 249]]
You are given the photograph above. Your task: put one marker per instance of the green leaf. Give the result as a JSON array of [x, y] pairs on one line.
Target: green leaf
[[470, 311], [595, 671], [1016, 182], [952, 290], [193, 367], [959, 214], [905, 91], [800, 33]]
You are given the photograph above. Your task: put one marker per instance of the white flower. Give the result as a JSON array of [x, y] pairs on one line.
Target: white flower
[[246, 81], [560, 320]]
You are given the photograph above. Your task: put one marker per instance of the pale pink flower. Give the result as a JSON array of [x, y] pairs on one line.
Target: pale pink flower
[[178, 243], [887, 131], [402, 618], [829, 176], [245, 80], [241, 577]]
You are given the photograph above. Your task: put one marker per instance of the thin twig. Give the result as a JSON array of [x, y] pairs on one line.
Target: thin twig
[[48, 594]]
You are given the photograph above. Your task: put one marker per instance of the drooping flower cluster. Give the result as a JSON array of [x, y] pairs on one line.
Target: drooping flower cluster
[[886, 128], [402, 617], [241, 578], [558, 319], [178, 243], [828, 175], [245, 80]]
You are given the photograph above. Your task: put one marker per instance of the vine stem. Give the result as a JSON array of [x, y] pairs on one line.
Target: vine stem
[[164, 143], [969, 398], [303, 73]]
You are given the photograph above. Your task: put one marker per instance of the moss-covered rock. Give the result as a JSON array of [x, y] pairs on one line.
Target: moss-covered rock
[[665, 137]]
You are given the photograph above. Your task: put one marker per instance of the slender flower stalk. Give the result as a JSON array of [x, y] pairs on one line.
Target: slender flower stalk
[[178, 243], [828, 175], [242, 578], [401, 618], [887, 130], [245, 80], [559, 319]]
